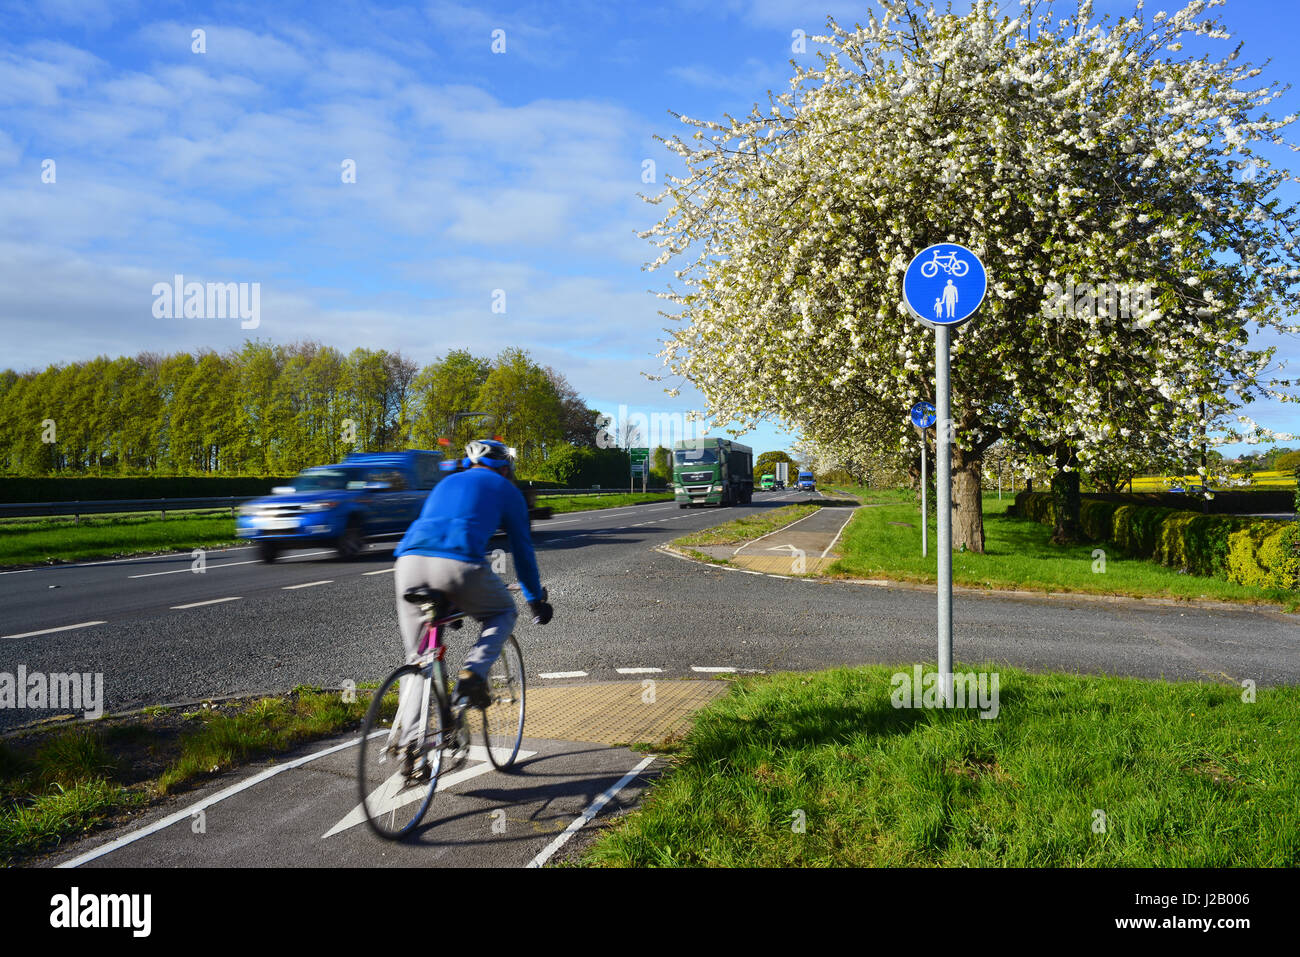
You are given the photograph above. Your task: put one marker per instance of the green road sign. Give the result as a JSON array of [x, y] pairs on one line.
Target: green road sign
[[639, 455]]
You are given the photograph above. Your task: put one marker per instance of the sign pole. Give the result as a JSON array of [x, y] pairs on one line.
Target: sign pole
[[948, 282], [925, 514], [943, 483]]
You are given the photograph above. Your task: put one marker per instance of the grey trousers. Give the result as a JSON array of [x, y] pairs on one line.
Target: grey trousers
[[475, 590]]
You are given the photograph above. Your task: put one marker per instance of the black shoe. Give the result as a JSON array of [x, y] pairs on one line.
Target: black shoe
[[414, 767], [474, 689]]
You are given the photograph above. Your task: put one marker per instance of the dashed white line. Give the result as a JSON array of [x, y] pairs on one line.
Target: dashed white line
[[212, 601], [563, 674], [382, 571], [19, 571], [638, 671], [712, 671], [327, 581], [50, 631]]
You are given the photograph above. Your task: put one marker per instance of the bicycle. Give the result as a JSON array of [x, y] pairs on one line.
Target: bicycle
[[948, 262], [392, 776]]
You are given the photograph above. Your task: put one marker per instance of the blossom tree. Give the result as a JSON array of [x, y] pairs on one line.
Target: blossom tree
[[1113, 188]]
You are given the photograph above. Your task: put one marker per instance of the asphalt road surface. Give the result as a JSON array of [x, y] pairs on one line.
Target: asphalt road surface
[[170, 634]]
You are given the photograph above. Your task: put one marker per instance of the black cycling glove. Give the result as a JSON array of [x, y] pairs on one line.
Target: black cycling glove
[[542, 611]]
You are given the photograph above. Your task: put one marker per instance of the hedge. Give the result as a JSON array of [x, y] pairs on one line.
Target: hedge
[[1246, 551], [53, 489]]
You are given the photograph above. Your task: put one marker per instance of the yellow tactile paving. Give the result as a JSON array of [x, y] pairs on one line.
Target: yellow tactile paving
[[618, 712], [782, 565]]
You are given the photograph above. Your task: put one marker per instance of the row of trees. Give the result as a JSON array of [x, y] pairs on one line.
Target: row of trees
[[272, 409], [1064, 149]]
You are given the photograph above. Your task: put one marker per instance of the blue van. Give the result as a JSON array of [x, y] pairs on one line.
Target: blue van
[[806, 481]]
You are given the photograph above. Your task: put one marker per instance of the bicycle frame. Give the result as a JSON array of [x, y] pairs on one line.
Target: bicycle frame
[[429, 656]]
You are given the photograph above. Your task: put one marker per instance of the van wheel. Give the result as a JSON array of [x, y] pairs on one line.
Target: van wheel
[[268, 552], [352, 540]]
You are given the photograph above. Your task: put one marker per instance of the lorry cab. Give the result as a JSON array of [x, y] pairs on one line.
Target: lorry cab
[[767, 482]]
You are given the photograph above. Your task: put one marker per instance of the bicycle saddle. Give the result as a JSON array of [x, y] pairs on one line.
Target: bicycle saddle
[[424, 595]]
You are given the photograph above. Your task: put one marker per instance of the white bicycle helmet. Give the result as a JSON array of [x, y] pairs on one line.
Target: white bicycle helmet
[[491, 453]]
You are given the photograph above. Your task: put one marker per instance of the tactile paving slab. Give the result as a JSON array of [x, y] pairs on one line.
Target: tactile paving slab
[[616, 712]]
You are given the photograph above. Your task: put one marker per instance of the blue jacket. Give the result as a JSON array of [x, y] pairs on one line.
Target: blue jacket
[[461, 514]]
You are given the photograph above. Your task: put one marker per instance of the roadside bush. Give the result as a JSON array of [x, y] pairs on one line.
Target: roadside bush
[[1262, 554], [1241, 550]]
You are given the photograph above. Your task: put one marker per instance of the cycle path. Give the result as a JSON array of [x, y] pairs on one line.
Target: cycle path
[[302, 810], [804, 547]]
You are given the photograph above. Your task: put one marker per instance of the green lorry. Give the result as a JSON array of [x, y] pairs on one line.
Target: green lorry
[[767, 482], [712, 472]]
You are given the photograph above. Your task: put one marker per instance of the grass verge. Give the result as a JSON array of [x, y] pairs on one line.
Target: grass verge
[[583, 503], [816, 770], [62, 782], [39, 541], [747, 528], [886, 543]]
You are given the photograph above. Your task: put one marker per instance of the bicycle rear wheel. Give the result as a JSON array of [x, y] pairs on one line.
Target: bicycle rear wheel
[[503, 719], [394, 802]]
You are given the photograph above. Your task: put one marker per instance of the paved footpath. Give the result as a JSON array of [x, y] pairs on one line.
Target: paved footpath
[[302, 810]]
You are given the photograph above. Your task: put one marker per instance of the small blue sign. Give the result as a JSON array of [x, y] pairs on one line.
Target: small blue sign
[[944, 285], [923, 415]]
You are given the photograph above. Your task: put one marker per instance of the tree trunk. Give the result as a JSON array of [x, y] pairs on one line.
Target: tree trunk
[[967, 501], [1066, 501]]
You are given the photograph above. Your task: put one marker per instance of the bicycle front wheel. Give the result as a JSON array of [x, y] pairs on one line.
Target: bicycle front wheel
[[397, 772], [503, 719]]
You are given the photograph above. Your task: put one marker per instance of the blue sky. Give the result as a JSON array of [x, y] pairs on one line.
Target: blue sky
[[475, 171]]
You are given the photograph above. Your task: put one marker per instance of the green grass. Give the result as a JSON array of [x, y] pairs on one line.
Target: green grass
[[582, 503], [1017, 554], [1187, 775], [31, 541], [59, 783], [747, 528], [37, 541]]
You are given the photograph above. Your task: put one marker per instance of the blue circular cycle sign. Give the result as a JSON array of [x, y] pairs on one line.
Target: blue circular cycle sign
[[923, 415], [944, 285]]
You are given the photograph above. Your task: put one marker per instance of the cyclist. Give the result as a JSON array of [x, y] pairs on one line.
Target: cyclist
[[445, 549]]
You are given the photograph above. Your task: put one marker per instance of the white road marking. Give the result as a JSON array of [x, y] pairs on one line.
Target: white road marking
[[783, 528], [50, 631], [211, 601], [399, 798], [327, 581], [637, 671], [713, 670], [852, 511], [563, 674], [181, 571], [382, 571], [186, 813], [255, 561], [19, 571], [587, 815]]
